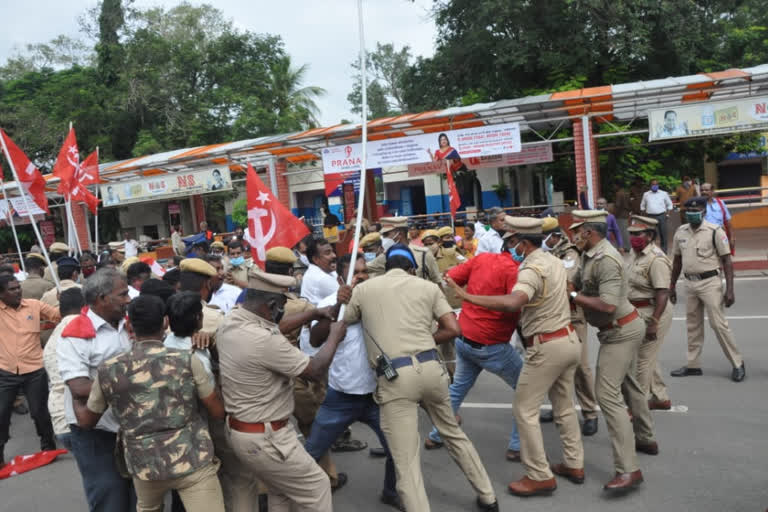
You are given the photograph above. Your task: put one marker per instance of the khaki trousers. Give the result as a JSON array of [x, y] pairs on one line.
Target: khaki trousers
[[548, 370], [240, 487], [295, 481], [307, 397], [425, 384], [447, 353], [648, 370], [200, 491], [616, 381], [584, 379], [708, 294]]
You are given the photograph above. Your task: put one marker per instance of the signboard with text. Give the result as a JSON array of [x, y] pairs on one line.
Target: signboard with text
[[176, 184], [710, 118], [534, 154]]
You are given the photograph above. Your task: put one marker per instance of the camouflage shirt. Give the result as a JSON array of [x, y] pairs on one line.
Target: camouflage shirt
[[153, 392]]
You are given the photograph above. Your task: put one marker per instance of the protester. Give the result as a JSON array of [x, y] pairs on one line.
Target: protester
[[491, 240], [469, 243], [237, 275], [69, 277], [223, 295], [657, 204], [685, 191], [137, 274]]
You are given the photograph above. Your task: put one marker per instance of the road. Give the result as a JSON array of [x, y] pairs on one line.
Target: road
[[711, 454]]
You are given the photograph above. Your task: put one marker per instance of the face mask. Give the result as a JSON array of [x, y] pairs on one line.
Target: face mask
[[544, 245], [237, 261], [687, 184], [638, 243], [655, 188], [369, 256], [449, 244], [88, 271], [515, 256], [694, 217], [277, 314], [386, 243]]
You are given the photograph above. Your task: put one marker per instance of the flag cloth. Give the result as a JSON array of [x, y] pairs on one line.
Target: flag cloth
[[67, 164], [29, 177], [87, 173], [453, 194], [270, 224], [23, 463]]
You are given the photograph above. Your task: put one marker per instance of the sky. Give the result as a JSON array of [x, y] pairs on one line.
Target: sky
[[320, 33]]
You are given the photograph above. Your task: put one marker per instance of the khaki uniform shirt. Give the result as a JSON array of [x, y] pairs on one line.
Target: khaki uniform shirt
[[212, 318], [446, 259], [398, 310], [571, 258], [647, 272], [34, 287], [293, 305], [49, 270], [240, 273], [542, 278], [51, 297], [426, 265], [258, 365], [701, 248], [602, 275]]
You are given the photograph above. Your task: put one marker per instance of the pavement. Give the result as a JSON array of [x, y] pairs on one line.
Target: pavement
[[712, 443]]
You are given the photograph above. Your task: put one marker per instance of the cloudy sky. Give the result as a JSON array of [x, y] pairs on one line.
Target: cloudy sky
[[321, 33]]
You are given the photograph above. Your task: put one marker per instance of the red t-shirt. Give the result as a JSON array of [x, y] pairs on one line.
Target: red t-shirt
[[487, 274]]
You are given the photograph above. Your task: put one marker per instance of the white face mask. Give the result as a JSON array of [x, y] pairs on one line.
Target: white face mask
[[386, 243], [544, 245]]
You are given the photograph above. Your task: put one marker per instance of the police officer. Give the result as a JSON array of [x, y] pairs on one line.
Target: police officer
[[699, 249], [395, 230], [258, 365], [35, 286], [398, 312], [196, 277], [371, 246], [603, 289], [553, 351], [562, 248], [166, 440], [649, 272], [55, 251]]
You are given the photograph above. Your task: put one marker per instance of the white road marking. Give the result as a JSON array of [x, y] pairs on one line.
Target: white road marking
[[547, 407], [750, 278], [746, 317]]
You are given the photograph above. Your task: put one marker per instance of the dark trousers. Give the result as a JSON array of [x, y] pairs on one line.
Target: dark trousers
[[662, 229], [105, 489], [35, 387], [337, 412]]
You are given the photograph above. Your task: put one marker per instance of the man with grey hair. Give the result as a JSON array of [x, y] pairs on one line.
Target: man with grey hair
[[491, 241], [91, 338]]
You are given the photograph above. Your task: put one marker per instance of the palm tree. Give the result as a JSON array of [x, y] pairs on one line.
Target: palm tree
[[295, 106]]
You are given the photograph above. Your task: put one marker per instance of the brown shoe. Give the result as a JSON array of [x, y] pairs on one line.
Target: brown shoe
[[575, 475], [528, 487], [513, 456], [431, 445], [659, 405], [624, 481], [647, 447]]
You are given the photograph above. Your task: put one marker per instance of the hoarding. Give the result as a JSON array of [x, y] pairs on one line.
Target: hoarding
[[176, 184], [717, 117]]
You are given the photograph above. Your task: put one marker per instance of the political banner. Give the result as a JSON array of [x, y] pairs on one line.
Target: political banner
[[176, 184], [712, 118], [533, 154]]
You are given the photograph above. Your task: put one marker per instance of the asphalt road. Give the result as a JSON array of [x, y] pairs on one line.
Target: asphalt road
[[712, 449]]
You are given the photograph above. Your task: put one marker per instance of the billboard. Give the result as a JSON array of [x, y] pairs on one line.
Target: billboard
[[175, 184], [717, 117]]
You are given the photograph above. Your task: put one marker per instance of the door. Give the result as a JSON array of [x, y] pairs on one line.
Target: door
[[406, 206]]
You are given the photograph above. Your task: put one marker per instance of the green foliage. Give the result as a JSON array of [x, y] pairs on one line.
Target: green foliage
[[385, 68], [240, 212]]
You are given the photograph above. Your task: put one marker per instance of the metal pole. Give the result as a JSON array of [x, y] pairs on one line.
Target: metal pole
[[96, 219], [29, 213], [13, 227], [587, 140], [272, 176]]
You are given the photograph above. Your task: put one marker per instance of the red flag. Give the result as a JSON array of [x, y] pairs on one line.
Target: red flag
[[86, 173], [23, 463], [67, 164], [453, 195], [29, 177], [280, 229]]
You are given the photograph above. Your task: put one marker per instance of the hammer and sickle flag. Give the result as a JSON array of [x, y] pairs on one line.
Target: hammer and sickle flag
[[270, 224]]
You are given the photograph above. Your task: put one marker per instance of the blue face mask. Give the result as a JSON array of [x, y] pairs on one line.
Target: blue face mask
[[655, 188], [515, 256], [369, 256], [237, 261]]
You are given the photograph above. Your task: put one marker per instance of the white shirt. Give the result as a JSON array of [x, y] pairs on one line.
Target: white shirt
[[173, 341], [225, 297], [349, 371], [131, 248], [480, 230], [81, 358], [655, 203], [316, 285], [133, 292], [57, 389], [490, 242]]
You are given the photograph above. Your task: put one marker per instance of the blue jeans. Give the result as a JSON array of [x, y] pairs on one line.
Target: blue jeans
[[65, 440], [501, 359], [105, 489], [337, 412]]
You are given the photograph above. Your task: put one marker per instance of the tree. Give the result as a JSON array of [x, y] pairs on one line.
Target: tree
[[109, 49], [294, 105], [386, 68]]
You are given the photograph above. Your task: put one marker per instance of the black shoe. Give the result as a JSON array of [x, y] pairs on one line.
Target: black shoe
[[47, 444], [589, 428], [685, 372], [490, 507], [348, 445], [739, 373], [263, 503], [392, 501], [341, 481], [546, 416], [377, 452], [21, 409]]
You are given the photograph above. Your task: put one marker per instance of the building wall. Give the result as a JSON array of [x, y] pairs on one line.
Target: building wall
[[149, 213]]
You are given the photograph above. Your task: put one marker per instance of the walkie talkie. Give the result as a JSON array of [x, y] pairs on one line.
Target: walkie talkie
[[383, 362]]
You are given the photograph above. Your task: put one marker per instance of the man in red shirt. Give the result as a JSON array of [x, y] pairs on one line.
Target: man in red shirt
[[485, 340]]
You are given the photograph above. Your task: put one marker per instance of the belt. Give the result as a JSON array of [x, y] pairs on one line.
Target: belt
[[548, 336], [702, 276], [254, 428], [621, 321], [642, 303], [422, 357]]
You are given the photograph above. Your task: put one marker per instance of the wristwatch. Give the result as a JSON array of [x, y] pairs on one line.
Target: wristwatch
[[572, 296]]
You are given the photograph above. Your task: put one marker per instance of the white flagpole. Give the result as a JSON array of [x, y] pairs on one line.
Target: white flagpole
[[96, 219], [74, 236], [29, 213], [364, 116], [13, 227]]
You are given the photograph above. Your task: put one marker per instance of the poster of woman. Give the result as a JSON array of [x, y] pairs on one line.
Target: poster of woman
[[446, 152]]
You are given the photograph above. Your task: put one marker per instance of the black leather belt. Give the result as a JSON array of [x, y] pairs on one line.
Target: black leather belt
[[422, 357], [702, 276], [473, 344]]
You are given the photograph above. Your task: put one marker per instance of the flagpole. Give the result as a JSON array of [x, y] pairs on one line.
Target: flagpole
[[364, 116], [13, 227], [96, 215], [29, 212]]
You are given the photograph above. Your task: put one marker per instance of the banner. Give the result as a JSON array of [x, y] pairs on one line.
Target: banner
[[176, 184], [535, 154], [708, 118], [15, 206]]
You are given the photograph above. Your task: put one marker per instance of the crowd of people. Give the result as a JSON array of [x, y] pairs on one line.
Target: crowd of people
[[184, 379]]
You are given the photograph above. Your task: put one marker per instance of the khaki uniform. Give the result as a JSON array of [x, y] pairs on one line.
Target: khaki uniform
[[212, 318], [51, 297], [34, 287], [584, 380], [446, 259], [701, 250], [399, 311], [649, 271], [549, 366], [49, 270], [258, 365], [426, 265], [602, 275], [240, 272]]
